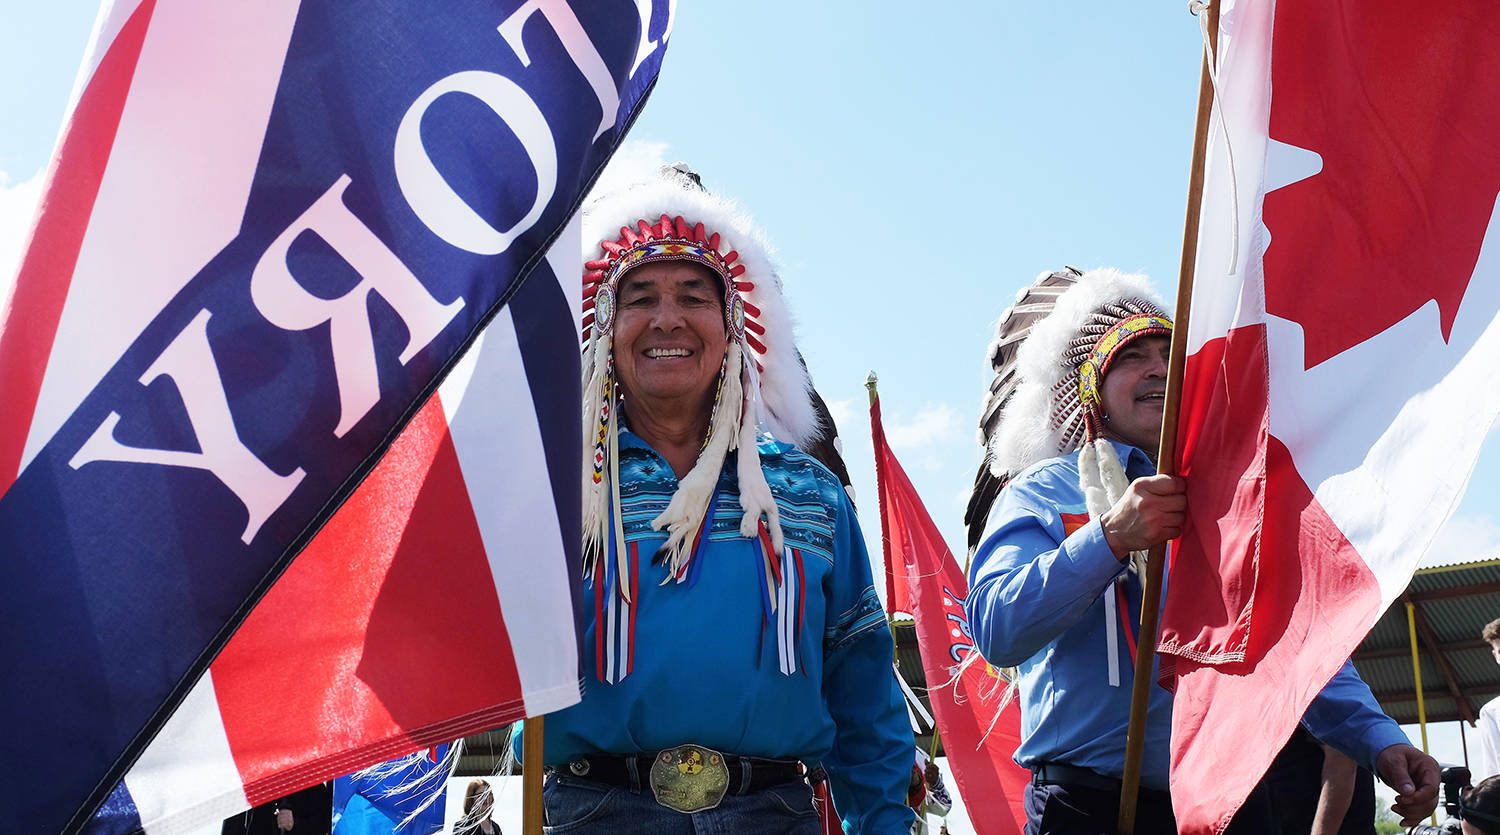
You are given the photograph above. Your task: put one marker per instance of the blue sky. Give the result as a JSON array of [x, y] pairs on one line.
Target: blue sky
[[915, 165]]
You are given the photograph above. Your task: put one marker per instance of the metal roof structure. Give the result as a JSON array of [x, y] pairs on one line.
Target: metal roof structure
[[1448, 606]]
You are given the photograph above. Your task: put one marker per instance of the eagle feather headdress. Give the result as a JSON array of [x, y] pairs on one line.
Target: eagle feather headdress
[[1037, 407]]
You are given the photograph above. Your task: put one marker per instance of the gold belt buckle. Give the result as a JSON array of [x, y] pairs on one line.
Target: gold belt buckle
[[689, 778]]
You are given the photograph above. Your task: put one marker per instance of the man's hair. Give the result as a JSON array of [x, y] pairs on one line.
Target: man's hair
[[1485, 799], [1491, 631]]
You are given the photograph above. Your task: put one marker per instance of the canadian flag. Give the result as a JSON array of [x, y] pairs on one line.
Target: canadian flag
[[1339, 379]]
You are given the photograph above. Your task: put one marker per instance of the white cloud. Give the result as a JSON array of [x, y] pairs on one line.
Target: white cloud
[[633, 162], [1466, 538], [842, 412], [17, 208], [933, 425]]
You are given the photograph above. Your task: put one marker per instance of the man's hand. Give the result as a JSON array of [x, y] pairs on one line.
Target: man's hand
[[1150, 513], [1415, 777], [284, 820]]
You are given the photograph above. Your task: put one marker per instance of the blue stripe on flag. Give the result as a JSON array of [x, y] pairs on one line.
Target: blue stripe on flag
[[118, 815]]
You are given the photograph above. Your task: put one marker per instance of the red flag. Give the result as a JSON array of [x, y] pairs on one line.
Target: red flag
[[965, 697], [1329, 419]]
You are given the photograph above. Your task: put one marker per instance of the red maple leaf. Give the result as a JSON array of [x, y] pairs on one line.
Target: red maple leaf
[[1402, 101]]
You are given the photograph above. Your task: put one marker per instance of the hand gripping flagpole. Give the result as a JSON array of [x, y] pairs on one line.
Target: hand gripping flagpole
[[1145, 653]]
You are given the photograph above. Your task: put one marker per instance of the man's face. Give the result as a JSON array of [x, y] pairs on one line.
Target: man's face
[[1495, 650], [1133, 393], [670, 336]]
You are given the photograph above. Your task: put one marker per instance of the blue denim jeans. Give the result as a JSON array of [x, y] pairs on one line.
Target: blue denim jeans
[[579, 805]]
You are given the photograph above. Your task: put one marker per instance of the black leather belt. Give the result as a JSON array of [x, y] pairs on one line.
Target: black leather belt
[[616, 770], [1058, 774]]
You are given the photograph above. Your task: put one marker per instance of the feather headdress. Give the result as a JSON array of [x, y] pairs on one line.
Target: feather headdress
[[763, 388], [1050, 351]]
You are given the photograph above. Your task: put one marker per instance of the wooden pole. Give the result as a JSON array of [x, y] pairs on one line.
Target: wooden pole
[[885, 535], [1135, 737], [531, 777]]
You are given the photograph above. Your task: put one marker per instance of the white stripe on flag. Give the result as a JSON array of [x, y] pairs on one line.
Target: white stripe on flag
[[187, 779], [494, 428], [175, 189]]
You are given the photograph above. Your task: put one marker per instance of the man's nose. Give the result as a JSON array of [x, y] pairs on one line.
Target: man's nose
[[668, 315]]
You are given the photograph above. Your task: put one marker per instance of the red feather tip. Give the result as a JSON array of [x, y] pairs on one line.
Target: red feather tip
[[612, 247], [682, 228], [730, 258], [598, 265], [713, 242], [742, 286], [588, 304], [628, 236], [752, 310], [700, 234], [755, 343], [755, 326], [738, 270], [647, 233]]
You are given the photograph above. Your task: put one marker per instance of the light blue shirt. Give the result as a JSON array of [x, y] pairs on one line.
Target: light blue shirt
[[705, 664], [1037, 602]]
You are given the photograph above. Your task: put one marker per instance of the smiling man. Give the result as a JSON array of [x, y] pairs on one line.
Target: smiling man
[[1055, 588], [733, 636]]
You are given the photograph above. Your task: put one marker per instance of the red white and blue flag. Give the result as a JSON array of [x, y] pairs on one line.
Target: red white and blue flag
[[270, 230], [1340, 368]]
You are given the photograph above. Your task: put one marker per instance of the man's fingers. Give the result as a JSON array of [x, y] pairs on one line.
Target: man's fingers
[[1163, 485]]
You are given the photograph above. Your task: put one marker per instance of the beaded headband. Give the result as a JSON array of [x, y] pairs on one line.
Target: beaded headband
[[670, 239], [1093, 368]]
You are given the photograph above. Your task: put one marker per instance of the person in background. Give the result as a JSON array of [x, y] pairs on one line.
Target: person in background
[[1485, 761], [926, 794], [307, 812], [479, 804]]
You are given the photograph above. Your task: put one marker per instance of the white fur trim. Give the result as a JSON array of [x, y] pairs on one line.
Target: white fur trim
[[689, 505], [755, 493]]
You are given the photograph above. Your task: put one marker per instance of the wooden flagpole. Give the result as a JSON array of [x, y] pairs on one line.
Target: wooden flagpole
[[531, 777], [885, 535], [1145, 654]]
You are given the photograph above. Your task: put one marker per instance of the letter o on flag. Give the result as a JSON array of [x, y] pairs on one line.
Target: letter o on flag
[[429, 195]]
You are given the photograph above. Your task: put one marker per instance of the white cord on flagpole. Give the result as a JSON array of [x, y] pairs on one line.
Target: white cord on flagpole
[[1196, 7]]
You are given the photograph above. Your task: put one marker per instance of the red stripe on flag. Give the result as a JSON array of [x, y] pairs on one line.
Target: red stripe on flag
[[979, 743], [370, 646], [67, 204], [1258, 537]]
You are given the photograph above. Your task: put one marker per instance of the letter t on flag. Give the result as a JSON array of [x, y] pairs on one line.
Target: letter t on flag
[[979, 735]]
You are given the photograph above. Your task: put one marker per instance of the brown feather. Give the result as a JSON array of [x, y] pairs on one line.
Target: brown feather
[[1033, 305]]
